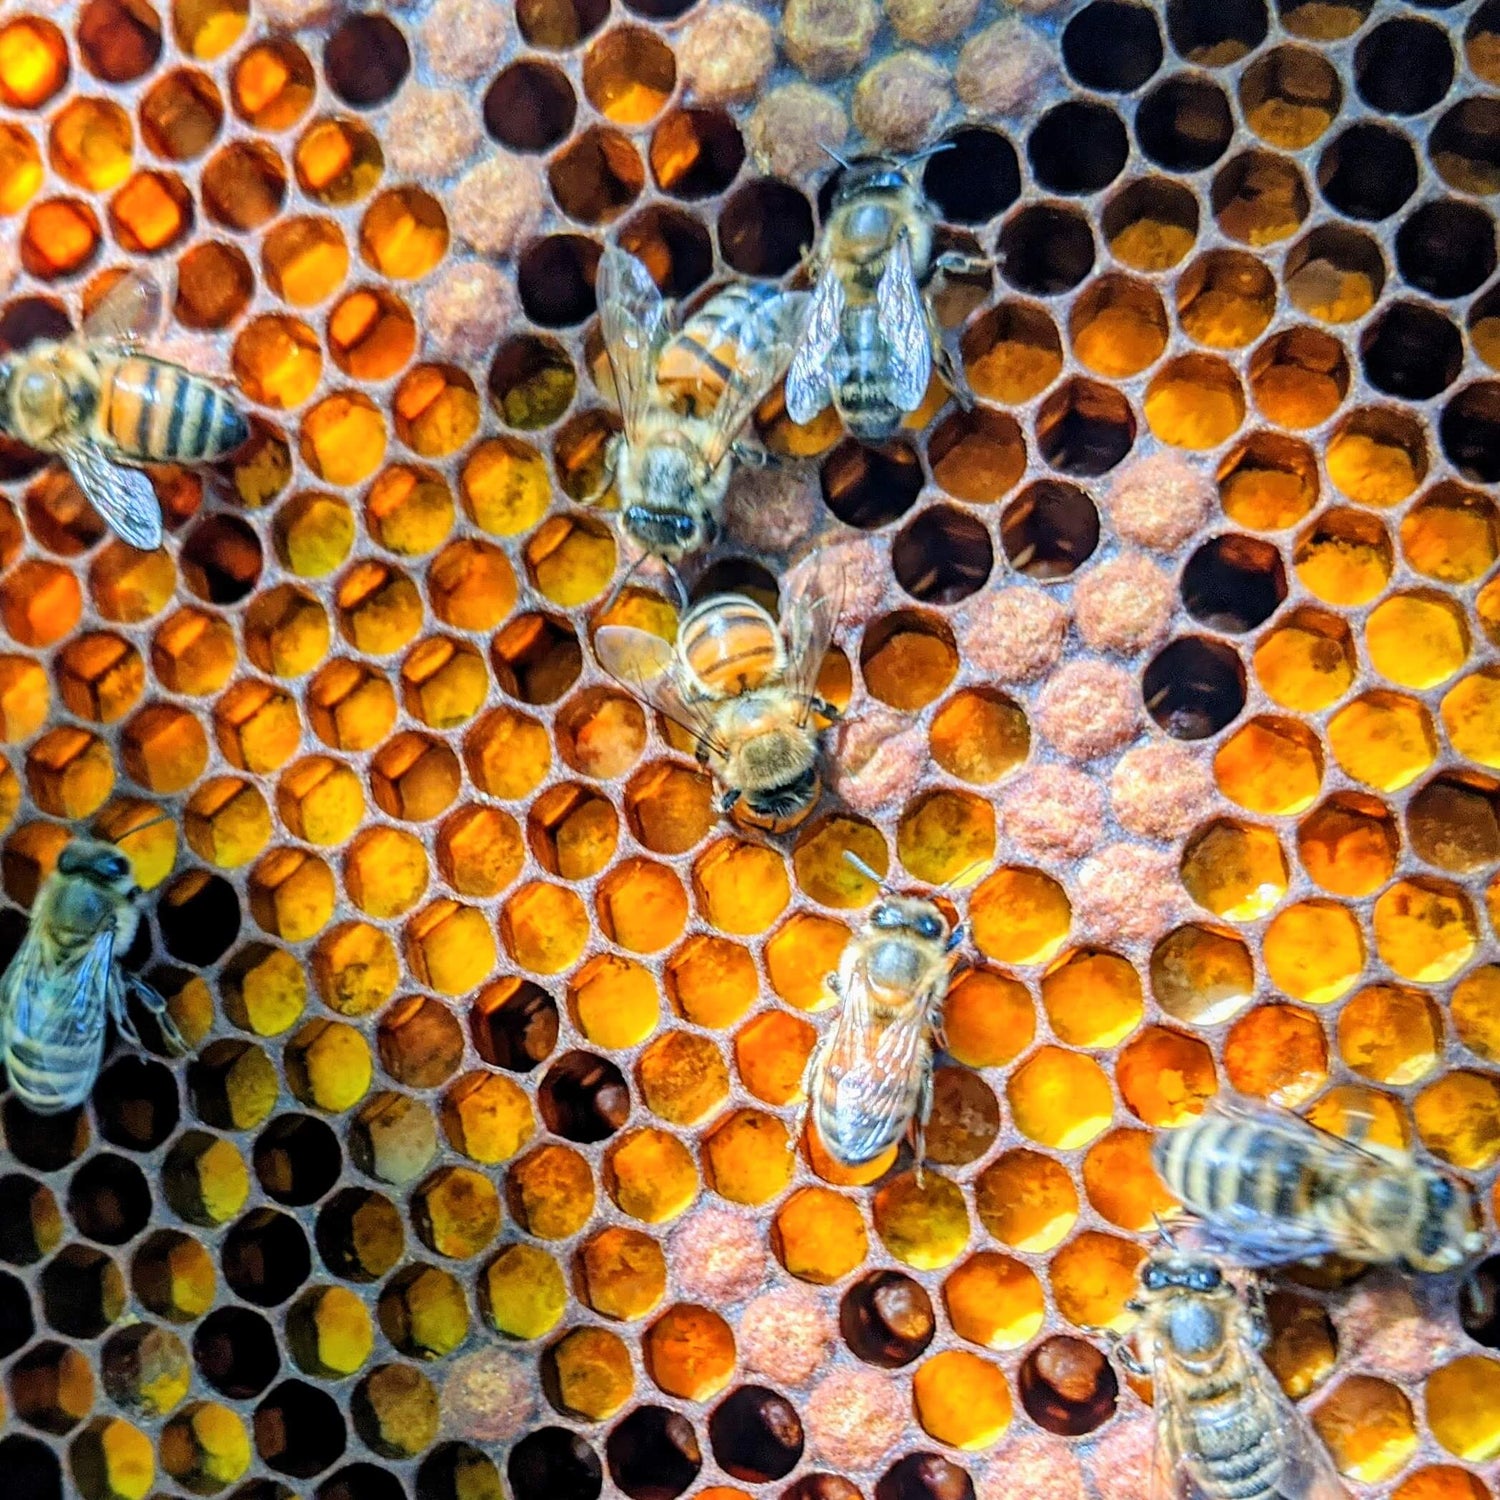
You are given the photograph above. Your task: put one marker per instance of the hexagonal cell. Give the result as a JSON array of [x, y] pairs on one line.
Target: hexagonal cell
[[1417, 640], [173, 1276], [741, 886], [1067, 1386], [329, 1332], [544, 927], [1235, 870], [359, 1235], [650, 1175], [588, 1374], [1277, 1052], [51, 1387], [1121, 1182], [689, 1352], [1469, 717], [1020, 916], [1165, 1076], [1093, 1277], [819, 1236], [551, 1192], [747, 1157], [423, 1312], [1092, 998], [1271, 765], [1307, 663], [1454, 822], [514, 1024], [1344, 557], [456, 1212], [1368, 1426], [1314, 950], [1194, 687]]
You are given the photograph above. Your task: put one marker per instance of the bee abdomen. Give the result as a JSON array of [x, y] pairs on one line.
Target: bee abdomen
[[1217, 1164], [156, 411], [729, 644], [1238, 1453], [48, 1077]]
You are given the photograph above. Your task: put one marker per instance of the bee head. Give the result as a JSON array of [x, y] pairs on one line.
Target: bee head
[[784, 805], [100, 863], [910, 914], [1180, 1272], [871, 174]]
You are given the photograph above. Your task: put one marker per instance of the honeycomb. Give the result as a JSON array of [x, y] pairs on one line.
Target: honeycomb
[[1174, 657]]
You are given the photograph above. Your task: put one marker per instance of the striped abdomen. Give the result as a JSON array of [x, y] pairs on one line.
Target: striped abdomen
[[1229, 1436], [50, 1076], [863, 375], [160, 413], [1218, 1164], [730, 644], [706, 352]]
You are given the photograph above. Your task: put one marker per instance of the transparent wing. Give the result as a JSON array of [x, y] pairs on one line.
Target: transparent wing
[[808, 386], [809, 617], [131, 310], [121, 494], [633, 319], [1308, 1471], [874, 1070], [646, 666], [56, 1004], [765, 348], [1251, 1240], [1169, 1478], [903, 322], [1267, 1116]]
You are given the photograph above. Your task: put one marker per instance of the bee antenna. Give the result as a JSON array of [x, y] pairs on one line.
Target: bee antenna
[[842, 161], [863, 868], [161, 817], [1164, 1232], [934, 150], [962, 875]]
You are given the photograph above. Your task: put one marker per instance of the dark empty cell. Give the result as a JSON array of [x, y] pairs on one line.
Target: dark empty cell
[[199, 917], [1112, 46], [30, 1222], [360, 1235], [221, 559], [1465, 147], [366, 60], [83, 1292], [560, 23], [696, 152], [1215, 33], [51, 1388], [737, 575], [1046, 249], [1185, 124], [263, 1489], [555, 277], [1368, 172], [659, 10], [299, 1430], [1078, 148], [1068, 1387], [765, 228], [756, 1435], [458, 1471], [653, 1454], [1085, 428], [1049, 529], [17, 1326], [552, 1463], [886, 1319], [136, 1103], [297, 1159], [925, 1476], [46, 1142], [530, 106], [1470, 432], [265, 1257], [1454, 823], [943, 556], [363, 1481], [1403, 66], [597, 176], [235, 1349], [29, 319], [869, 487], [120, 39], [1234, 583], [109, 1199], [1411, 351], [31, 1469], [1259, 197], [584, 1098], [1479, 1303], [1194, 687], [977, 177], [519, 1030], [1446, 248], [675, 245]]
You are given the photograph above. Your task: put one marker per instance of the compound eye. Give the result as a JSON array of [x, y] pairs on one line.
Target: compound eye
[[885, 917], [1441, 1194], [114, 866], [929, 927], [1153, 1278], [1206, 1279]]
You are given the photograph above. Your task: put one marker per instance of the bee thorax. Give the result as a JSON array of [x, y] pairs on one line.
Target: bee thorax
[[894, 965], [1194, 1327]]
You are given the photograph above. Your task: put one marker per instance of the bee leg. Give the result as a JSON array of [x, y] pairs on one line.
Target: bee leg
[[825, 709], [118, 1012], [1259, 1323], [799, 1121], [611, 463], [157, 1005], [919, 1126], [951, 371], [956, 263], [752, 454]]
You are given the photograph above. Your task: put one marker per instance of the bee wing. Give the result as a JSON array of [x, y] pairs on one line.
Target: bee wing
[[121, 494], [765, 347], [131, 310], [1268, 1116], [1308, 1471], [633, 319], [808, 386], [903, 322], [877, 1066], [814, 602], [646, 666]]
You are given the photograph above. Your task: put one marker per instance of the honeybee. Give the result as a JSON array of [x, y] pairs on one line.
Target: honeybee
[[684, 397], [871, 338], [745, 687], [1225, 1430], [1270, 1187], [102, 406], [869, 1079], [65, 979]]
